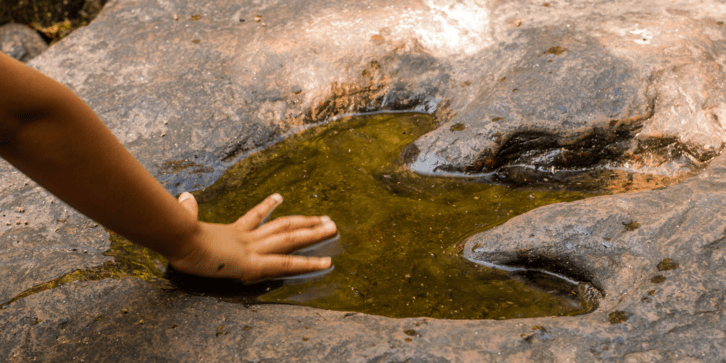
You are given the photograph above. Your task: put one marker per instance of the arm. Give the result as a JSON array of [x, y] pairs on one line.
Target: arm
[[52, 136]]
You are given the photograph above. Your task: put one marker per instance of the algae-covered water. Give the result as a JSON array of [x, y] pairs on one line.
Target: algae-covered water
[[399, 252]]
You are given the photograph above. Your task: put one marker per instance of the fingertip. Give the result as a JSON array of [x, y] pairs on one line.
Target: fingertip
[[185, 196], [324, 219], [277, 198], [187, 201], [330, 226], [325, 262]]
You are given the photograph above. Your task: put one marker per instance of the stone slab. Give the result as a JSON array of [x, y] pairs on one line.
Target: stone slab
[[114, 320], [568, 86], [190, 88]]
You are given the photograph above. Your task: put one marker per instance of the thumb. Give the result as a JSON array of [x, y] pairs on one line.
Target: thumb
[[189, 203]]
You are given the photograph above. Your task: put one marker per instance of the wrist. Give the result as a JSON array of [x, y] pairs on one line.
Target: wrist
[[186, 244]]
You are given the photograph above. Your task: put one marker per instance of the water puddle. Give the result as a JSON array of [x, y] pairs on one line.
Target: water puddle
[[399, 248], [397, 255]]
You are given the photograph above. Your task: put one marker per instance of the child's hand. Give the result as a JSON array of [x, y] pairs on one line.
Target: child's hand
[[246, 251], [51, 135]]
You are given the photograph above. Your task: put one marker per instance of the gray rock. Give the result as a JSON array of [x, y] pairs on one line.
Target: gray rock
[[189, 88], [658, 256], [566, 102], [618, 241], [634, 92], [21, 42], [41, 238]]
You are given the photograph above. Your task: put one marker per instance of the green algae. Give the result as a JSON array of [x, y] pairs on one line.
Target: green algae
[[631, 226], [556, 50], [619, 317], [667, 265], [401, 232], [457, 127]]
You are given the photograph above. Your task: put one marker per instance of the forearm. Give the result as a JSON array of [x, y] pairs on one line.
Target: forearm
[[55, 138], [52, 136]]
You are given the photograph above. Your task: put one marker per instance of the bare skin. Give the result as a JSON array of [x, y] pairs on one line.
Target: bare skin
[[52, 136]]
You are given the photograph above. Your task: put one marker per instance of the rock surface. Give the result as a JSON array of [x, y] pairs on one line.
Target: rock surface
[[191, 86], [21, 42], [658, 256], [581, 91]]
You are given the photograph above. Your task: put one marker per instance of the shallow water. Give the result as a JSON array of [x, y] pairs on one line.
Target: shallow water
[[399, 252]]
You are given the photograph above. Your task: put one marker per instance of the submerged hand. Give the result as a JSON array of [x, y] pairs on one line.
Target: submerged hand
[[246, 251]]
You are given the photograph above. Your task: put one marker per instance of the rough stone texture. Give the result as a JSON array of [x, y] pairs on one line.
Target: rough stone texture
[[190, 88], [127, 320], [568, 89], [21, 42], [41, 238], [45, 13], [619, 243]]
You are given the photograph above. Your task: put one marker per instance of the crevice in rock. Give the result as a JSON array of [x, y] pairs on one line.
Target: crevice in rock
[[605, 159], [553, 274], [53, 20], [557, 265], [543, 150]]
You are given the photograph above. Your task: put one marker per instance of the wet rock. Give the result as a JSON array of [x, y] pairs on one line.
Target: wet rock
[[189, 97], [612, 257], [20, 42], [642, 286]]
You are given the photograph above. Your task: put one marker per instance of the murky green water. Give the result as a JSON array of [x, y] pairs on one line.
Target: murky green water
[[399, 231]]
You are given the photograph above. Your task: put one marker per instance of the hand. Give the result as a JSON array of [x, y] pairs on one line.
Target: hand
[[51, 135], [248, 251]]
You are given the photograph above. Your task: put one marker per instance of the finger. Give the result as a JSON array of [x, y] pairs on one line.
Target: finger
[[285, 265], [286, 242], [258, 213], [289, 224], [189, 203]]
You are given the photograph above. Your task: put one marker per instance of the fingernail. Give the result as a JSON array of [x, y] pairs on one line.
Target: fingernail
[[329, 225], [277, 198], [184, 196], [325, 219], [325, 261]]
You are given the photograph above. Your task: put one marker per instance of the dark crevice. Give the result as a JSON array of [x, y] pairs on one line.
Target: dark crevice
[[559, 265], [606, 158], [538, 271], [52, 19], [544, 150]]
